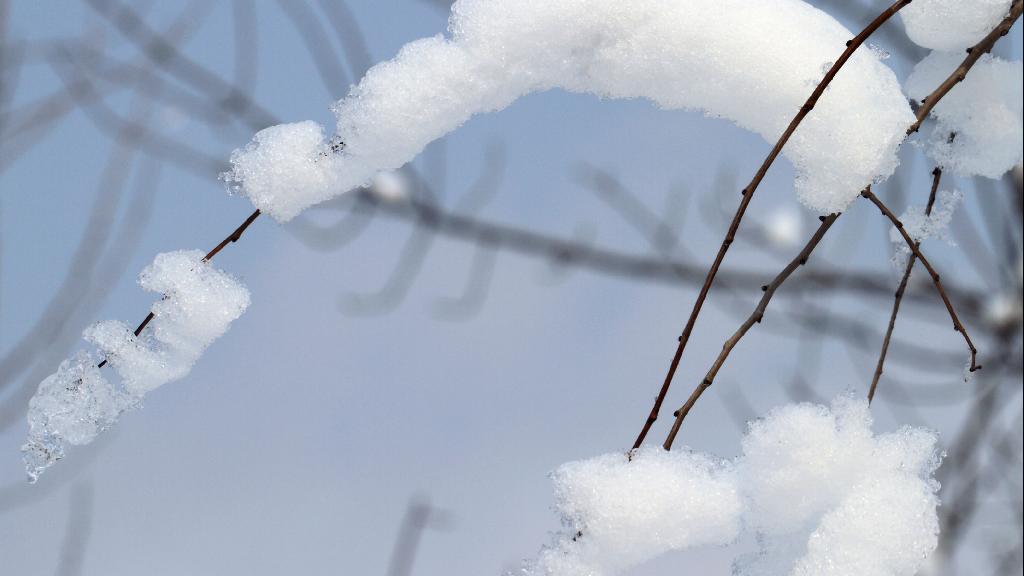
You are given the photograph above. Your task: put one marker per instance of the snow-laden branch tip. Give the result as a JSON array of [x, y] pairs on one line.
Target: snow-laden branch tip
[[824, 495], [980, 122], [952, 25], [72, 406], [750, 62]]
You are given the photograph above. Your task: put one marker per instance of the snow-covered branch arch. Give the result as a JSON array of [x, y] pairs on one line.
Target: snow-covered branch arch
[[750, 62]]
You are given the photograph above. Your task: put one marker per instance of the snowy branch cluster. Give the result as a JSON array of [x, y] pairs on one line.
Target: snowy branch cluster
[[823, 495], [821, 492], [76, 403]]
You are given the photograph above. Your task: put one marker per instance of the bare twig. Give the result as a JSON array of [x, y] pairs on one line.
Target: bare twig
[[936, 176], [748, 194], [754, 318], [957, 325]]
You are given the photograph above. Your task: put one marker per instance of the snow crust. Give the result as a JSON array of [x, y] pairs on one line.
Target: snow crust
[[952, 25], [824, 495], [76, 403], [985, 113], [753, 63]]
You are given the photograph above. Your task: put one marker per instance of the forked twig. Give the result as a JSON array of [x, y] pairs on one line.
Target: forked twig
[[754, 318], [748, 194], [936, 176], [936, 280]]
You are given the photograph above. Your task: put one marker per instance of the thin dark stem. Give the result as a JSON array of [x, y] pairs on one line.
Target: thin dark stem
[[754, 318], [936, 176], [974, 54], [231, 238], [957, 325], [748, 194]]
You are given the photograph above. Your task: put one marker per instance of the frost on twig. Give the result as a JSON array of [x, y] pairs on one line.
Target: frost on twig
[[823, 494], [750, 62], [922, 226], [76, 403]]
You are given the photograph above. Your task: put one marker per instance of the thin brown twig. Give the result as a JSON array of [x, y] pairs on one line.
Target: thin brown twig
[[754, 318], [231, 238], [748, 194], [936, 177], [974, 54], [936, 280]]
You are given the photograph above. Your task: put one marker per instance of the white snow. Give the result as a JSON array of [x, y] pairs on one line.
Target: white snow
[[626, 512], [754, 63], [921, 227], [952, 25], [985, 111], [824, 495], [287, 168], [199, 303], [72, 406], [828, 498]]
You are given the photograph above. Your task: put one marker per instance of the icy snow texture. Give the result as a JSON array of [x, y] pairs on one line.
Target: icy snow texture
[[921, 227], [72, 406], [985, 111], [824, 495], [952, 25], [754, 63], [628, 512]]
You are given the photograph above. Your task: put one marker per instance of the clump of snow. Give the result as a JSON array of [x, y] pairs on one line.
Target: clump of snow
[[753, 63], [952, 25], [287, 168], [984, 113], [920, 226], [199, 303], [824, 495], [72, 406], [828, 497], [619, 513]]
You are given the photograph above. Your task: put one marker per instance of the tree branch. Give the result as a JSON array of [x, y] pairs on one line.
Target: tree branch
[[754, 318], [957, 325], [748, 194], [936, 176]]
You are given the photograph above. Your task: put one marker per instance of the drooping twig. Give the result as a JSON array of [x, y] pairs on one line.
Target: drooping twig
[[936, 280], [974, 54], [754, 318], [748, 194], [936, 176]]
